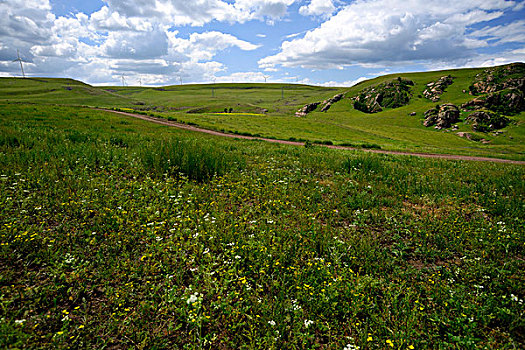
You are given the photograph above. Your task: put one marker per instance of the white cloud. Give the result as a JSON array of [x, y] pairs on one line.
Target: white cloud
[[220, 41], [483, 60], [245, 77], [259, 9], [317, 8], [136, 45], [513, 32], [24, 24], [176, 12], [100, 47], [194, 12], [390, 32], [137, 37]]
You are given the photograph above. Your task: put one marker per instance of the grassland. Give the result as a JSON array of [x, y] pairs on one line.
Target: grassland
[[117, 233], [268, 110]]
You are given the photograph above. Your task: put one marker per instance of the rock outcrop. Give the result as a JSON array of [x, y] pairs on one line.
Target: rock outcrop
[[485, 121], [510, 101], [442, 116], [435, 89], [500, 89], [328, 103], [387, 95], [511, 76], [303, 112]]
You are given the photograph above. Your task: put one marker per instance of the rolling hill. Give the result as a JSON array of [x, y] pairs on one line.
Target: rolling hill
[[269, 110]]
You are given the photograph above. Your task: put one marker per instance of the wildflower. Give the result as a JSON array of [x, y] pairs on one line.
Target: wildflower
[[308, 323], [389, 343], [351, 347], [193, 298], [271, 323]]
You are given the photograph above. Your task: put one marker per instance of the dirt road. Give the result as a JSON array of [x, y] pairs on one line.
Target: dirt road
[[294, 143]]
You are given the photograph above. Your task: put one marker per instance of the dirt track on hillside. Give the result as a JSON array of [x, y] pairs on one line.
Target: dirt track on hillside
[[294, 143]]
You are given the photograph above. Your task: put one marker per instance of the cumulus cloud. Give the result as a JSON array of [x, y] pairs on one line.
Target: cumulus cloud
[[136, 45], [194, 12], [391, 32], [317, 8], [117, 39], [24, 24], [177, 12], [258, 9], [138, 38]]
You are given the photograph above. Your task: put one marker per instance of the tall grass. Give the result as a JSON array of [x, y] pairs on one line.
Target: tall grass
[[195, 159]]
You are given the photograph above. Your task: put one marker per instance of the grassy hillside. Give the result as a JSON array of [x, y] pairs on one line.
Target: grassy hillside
[[242, 98], [392, 129], [268, 110], [119, 233], [58, 91]]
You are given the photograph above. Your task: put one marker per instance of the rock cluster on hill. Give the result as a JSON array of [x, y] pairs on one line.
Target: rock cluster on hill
[[325, 105], [485, 121], [328, 103], [307, 109], [435, 89], [502, 90], [442, 116], [509, 101], [387, 95]]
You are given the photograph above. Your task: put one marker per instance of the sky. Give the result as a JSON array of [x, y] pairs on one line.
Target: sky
[[318, 42]]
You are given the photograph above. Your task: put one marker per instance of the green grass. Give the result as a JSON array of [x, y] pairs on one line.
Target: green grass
[[58, 91], [268, 110], [104, 243]]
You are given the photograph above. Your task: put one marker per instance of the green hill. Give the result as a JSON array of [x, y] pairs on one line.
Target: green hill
[[269, 110], [58, 91]]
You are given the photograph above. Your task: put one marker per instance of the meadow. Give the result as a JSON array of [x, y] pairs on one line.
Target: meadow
[[118, 233], [268, 110]]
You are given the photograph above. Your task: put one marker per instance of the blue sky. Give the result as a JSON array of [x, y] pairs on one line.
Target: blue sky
[[322, 42]]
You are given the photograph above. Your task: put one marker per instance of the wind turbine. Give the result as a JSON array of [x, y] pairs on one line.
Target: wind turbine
[[265, 77], [20, 60], [180, 78], [123, 80]]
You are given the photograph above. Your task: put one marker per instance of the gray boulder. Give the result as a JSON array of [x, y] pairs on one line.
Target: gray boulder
[[442, 116], [307, 109]]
